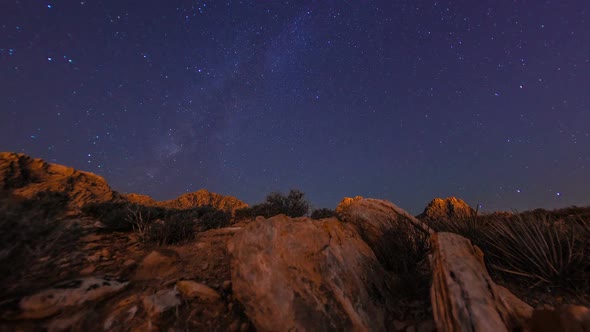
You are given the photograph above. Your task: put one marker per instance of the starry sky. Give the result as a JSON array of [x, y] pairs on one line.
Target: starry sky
[[403, 100]]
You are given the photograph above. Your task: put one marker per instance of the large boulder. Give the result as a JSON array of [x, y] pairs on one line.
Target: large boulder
[[26, 177], [299, 274], [450, 208], [378, 221]]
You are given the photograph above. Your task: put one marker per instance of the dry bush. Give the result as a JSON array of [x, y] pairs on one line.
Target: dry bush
[[530, 247], [540, 250], [171, 231]]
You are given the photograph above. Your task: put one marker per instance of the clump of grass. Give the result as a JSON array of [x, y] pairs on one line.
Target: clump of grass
[[530, 247], [538, 249], [156, 224]]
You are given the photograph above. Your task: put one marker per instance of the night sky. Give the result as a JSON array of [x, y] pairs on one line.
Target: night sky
[[402, 100]]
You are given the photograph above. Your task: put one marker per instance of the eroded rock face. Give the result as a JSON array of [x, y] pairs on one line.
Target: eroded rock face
[[447, 209], [204, 197], [298, 274], [23, 176], [374, 219], [67, 294], [140, 199], [345, 203]]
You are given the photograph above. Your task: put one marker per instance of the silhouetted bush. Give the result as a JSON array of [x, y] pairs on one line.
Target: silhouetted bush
[[323, 213], [30, 229], [531, 246], [292, 205], [173, 230]]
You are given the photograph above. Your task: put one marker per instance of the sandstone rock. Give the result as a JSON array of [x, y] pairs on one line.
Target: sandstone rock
[[374, 219], [140, 199], [68, 323], [191, 289], [72, 293], [88, 270], [570, 318], [464, 297], [161, 301], [450, 208], [23, 176], [159, 264], [301, 274], [202, 198], [345, 203]]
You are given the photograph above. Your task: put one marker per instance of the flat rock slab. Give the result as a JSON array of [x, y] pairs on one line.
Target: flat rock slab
[[67, 294]]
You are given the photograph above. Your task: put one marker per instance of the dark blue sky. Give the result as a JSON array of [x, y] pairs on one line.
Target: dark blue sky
[[402, 100]]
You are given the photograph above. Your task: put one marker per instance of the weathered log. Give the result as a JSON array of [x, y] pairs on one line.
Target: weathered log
[[464, 296]]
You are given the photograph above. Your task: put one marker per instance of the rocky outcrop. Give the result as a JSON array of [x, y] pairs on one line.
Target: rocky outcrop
[[375, 220], [345, 203], [140, 199], [450, 208], [204, 197], [298, 274], [24, 177]]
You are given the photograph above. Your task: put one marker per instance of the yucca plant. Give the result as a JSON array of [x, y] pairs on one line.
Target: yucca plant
[[538, 249]]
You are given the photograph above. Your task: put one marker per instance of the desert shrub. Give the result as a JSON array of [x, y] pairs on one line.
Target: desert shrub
[[323, 213], [174, 230], [293, 205], [530, 246], [403, 248], [122, 216], [30, 229], [540, 250]]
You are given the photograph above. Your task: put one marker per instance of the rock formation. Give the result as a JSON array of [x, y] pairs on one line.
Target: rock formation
[[204, 197], [299, 274], [140, 199], [375, 219], [447, 209], [24, 177]]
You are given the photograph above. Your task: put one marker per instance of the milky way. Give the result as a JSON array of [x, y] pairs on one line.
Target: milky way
[[402, 100]]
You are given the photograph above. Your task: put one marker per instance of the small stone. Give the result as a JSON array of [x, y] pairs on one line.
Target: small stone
[[226, 285], [128, 262], [161, 301], [234, 326], [244, 327], [191, 289], [230, 306], [88, 270]]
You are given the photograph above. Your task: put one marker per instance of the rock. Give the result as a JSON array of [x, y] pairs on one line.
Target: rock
[[345, 203], [244, 327], [159, 264], [71, 293], [88, 270], [68, 323], [128, 262], [301, 274], [26, 177], [204, 198], [191, 289], [450, 208], [226, 286], [463, 295], [160, 302], [234, 326], [140, 199], [571, 318], [376, 221]]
